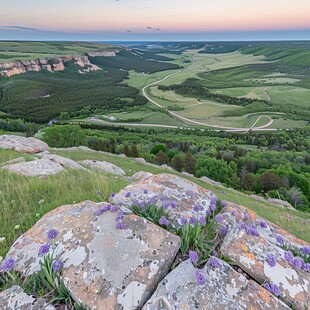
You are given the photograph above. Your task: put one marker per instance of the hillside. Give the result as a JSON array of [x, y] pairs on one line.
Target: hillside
[[39, 179]]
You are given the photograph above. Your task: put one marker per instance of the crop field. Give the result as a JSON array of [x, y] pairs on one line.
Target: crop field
[[11, 51]]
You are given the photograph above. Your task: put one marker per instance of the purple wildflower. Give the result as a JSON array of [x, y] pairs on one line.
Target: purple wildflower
[[183, 220], [113, 208], [193, 255], [99, 193], [145, 191], [105, 208], [99, 211], [214, 200], [44, 249], [298, 262], [272, 288], [243, 226], [219, 218], [253, 226], [7, 265], [202, 220], [224, 230], [196, 207], [120, 225], [246, 217], [142, 204], [162, 198], [120, 214], [280, 239], [193, 220], [164, 221], [52, 234], [200, 278], [255, 232], [173, 205], [263, 224], [305, 250], [166, 204], [214, 262], [288, 256], [208, 212], [152, 200], [233, 212], [271, 260], [213, 206], [223, 203], [306, 267], [136, 202], [119, 204], [112, 195], [57, 264], [128, 194]]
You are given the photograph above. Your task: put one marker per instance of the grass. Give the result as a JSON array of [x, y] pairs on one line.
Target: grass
[[11, 51]]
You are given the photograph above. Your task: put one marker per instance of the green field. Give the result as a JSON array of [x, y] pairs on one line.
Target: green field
[[11, 51]]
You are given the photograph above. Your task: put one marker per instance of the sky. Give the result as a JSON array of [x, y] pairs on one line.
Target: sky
[[154, 20]]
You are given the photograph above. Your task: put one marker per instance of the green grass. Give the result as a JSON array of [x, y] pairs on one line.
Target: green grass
[[11, 51]]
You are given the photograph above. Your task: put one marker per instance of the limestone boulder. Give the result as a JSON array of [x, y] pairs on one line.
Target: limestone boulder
[[210, 181], [224, 289], [15, 298], [104, 267], [22, 144], [63, 161], [42, 166], [103, 166], [176, 194], [141, 175], [259, 248], [15, 161]]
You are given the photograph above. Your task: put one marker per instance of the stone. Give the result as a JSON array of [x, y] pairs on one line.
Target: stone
[[224, 289], [140, 160], [41, 166], [187, 174], [15, 161], [104, 166], [280, 202], [141, 175], [63, 161], [166, 167], [210, 181], [250, 252], [15, 298], [169, 188], [22, 144], [104, 267]]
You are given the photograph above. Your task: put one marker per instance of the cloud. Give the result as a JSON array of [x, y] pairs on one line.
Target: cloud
[[152, 28], [19, 28], [128, 30]]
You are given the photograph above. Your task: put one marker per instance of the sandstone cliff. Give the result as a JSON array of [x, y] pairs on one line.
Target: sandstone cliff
[[52, 64]]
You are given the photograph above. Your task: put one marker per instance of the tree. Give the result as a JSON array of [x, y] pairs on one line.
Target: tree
[[189, 163], [177, 163], [158, 147], [134, 152], [64, 136], [162, 158], [126, 150], [269, 180]]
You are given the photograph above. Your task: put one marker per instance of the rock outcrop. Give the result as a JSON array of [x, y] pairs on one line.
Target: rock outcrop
[[47, 164], [103, 166], [15, 298], [260, 249], [22, 144], [224, 289], [103, 54], [141, 175], [50, 64], [104, 267], [177, 194]]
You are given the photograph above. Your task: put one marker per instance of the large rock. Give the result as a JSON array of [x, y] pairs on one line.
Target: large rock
[[141, 175], [22, 144], [63, 161], [160, 189], [42, 166], [104, 267], [104, 166], [16, 299], [224, 289], [249, 250]]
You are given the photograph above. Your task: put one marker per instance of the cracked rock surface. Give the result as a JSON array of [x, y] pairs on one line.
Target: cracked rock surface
[[22, 144], [250, 252], [224, 289], [15, 298], [104, 166], [104, 267]]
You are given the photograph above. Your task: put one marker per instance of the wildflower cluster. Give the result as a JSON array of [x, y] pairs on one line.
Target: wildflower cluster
[[298, 261], [272, 288], [107, 207]]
